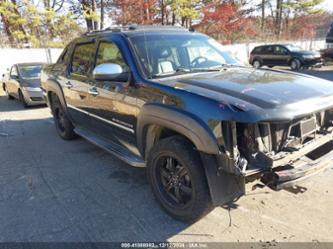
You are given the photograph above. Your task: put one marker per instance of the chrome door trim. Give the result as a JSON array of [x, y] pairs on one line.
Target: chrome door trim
[[103, 119]]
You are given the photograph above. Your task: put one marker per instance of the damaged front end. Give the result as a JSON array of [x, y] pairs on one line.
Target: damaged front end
[[281, 153]]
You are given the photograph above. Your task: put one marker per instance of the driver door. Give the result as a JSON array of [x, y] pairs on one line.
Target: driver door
[[281, 56], [112, 103]]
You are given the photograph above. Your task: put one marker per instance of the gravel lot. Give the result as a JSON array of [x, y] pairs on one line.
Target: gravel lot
[[55, 190]]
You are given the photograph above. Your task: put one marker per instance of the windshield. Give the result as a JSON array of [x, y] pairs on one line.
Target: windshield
[[30, 71], [294, 48], [171, 54]]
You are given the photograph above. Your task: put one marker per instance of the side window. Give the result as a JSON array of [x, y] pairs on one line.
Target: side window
[[62, 58], [269, 50], [109, 53], [284, 50], [280, 50], [257, 50], [82, 58], [14, 72]]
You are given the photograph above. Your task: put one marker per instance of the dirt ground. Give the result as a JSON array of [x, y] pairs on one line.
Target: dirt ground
[[55, 190]]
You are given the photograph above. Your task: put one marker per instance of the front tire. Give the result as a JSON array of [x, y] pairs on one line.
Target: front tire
[[178, 180], [62, 123], [22, 99], [295, 65]]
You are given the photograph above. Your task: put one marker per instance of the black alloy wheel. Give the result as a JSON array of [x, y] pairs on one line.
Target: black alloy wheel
[[59, 116], [178, 180], [174, 181]]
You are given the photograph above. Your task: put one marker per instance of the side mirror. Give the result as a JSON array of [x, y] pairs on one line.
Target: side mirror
[[107, 71]]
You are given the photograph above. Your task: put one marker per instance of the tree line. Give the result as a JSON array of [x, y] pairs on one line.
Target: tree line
[[53, 23]]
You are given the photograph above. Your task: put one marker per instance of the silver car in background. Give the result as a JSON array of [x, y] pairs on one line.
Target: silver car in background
[[23, 83]]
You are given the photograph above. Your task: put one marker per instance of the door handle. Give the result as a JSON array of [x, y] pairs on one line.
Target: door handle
[[69, 84], [93, 91]]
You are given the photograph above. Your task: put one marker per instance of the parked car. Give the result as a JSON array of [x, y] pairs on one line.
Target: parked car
[[169, 100], [284, 55], [23, 83]]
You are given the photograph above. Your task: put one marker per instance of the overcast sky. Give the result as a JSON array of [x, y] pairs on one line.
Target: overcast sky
[[328, 4]]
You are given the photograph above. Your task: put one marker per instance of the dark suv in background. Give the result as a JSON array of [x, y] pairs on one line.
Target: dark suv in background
[[284, 55]]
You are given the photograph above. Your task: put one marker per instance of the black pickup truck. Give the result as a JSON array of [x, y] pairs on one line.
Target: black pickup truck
[[175, 102]]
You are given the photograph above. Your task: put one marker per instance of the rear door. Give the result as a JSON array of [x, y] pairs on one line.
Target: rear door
[[267, 55], [75, 83]]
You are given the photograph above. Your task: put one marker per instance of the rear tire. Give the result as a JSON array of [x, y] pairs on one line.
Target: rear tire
[[62, 123], [257, 64], [178, 179]]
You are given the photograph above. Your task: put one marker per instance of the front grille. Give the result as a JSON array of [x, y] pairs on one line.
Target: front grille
[[301, 130], [308, 127], [36, 98]]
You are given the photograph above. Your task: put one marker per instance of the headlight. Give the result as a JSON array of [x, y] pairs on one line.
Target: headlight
[[307, 57], [317, 55], [32, 89]]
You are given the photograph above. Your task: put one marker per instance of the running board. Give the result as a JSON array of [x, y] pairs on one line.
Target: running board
[[111, 147]]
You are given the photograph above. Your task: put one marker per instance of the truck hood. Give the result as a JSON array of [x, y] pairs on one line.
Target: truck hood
[[263, 89]]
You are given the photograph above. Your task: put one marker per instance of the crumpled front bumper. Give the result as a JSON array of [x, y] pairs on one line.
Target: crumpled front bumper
[[313, 63], [316, 161]]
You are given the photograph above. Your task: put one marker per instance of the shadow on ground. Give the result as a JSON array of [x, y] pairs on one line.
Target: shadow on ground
[[55, 190], [15, 105]]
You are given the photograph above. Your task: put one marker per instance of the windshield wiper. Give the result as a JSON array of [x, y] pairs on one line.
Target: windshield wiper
[[179, 70], [183, 70], [205, 69], [212, 69]]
